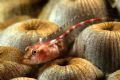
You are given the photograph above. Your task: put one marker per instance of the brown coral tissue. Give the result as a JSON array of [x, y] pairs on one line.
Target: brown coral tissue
[[100, 43], [25, 33], [114, 76], [10, 9], [65, 10], [23, 78], [10, 54], [10, 70], [69, 69]]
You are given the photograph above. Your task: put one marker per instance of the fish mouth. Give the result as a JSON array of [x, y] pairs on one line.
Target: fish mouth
[[26, 61]]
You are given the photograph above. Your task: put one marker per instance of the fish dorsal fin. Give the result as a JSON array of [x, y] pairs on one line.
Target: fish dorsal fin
[[72, 28], [61, 29]]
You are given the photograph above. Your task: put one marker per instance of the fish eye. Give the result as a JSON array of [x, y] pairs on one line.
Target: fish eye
[[34, 52]]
